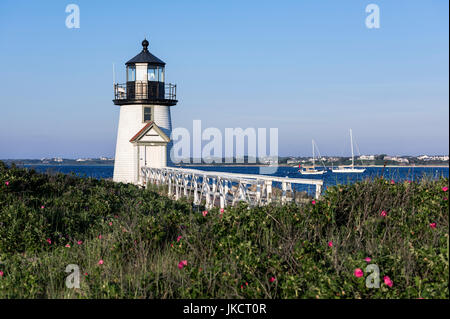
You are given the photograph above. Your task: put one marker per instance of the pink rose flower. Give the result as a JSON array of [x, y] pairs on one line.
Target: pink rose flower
[[383, 213], [49, 241], [184, 262], [272, 279], [110, 223], [99, 236], [313, 202], [67, 246], [388, 281], [179, 238], [330, 244], [222, 210], [368, 259], [180, 265], [358, 273], [1, 273], [7, 183], [204, 213], [100, 262], [433, 225], [79, 242], [42, 207], [445, 188], [392, 182]]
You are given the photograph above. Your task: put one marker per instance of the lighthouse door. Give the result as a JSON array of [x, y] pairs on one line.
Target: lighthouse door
[[152, 156], [149, 156], [142, 156]]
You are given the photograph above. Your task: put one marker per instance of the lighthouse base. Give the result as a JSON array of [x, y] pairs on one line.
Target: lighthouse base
[[139, 144]]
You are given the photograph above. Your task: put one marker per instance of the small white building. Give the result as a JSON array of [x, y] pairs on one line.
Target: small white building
[[367, 157], [396, 159], [143, 136], [423, 157]]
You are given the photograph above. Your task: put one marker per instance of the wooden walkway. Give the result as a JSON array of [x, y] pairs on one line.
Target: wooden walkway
[[225, 189]]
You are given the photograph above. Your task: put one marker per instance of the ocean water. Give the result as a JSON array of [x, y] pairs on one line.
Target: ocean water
[[95, 171], [397, 174]]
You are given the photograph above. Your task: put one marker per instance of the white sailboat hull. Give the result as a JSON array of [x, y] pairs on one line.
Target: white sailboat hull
[[312, 172], [348, 170]]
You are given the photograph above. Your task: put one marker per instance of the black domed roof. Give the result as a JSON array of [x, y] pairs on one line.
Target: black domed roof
[[145, 56]]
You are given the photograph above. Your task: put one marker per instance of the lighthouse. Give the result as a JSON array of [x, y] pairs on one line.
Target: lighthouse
[[143, 136]]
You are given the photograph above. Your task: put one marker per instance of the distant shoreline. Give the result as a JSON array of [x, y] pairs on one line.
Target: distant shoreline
[[287, 165], [232, 165], [48, 164], [407, 166]]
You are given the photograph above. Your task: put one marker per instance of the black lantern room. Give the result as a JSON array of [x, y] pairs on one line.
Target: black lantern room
[[145, 81]]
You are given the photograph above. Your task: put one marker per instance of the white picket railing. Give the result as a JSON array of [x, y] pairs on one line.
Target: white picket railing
[[224, 189]]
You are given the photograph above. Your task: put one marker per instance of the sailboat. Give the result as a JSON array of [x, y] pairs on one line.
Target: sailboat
[[311, 170], [351, 169]]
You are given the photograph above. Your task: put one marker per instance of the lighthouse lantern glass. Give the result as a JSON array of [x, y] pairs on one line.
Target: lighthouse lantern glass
[[161, 74], [152, 73], [131, 73], [155, 73]]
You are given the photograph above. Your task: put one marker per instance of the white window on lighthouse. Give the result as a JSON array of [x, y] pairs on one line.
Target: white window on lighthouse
[[147, 114], [131, 73]]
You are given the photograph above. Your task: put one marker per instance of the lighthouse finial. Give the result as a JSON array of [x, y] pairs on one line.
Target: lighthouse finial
[[144, 45]]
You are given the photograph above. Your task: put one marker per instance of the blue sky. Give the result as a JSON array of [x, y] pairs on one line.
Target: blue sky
[[310, 68]]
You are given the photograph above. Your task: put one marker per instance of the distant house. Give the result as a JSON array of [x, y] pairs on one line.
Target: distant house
[[396, 159], [433, 158], [367, 157]]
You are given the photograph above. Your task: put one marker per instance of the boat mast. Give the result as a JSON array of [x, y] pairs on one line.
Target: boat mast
[[351, 142], [314, 165]]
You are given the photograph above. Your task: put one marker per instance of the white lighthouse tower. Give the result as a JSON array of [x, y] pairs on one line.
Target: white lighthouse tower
[[143, 137]]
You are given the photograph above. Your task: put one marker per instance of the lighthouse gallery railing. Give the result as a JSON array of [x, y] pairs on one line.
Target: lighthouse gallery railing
[[149, 90], [224, 189]]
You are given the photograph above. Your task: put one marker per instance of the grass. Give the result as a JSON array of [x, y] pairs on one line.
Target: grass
[[265, 252]]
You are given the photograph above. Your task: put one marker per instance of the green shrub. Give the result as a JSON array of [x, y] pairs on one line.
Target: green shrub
[[261, 252]]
